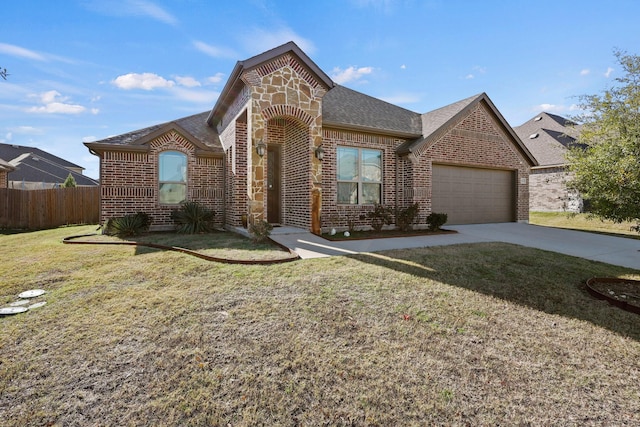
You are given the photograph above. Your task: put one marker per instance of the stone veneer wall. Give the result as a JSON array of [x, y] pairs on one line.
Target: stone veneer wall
[[549, 192], [4, 179], [284, 88], [129, 181]]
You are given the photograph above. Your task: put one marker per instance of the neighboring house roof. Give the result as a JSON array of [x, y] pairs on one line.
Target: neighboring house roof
[[343, 107], [30, 167], [437, 122], [12, 151], [5, 166], [194, 128], [548, 137]]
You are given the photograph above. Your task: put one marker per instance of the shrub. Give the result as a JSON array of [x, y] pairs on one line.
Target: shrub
[[193, 217], [436, 220], [260, 230], [128, 225], [380, 216], [407, 216]]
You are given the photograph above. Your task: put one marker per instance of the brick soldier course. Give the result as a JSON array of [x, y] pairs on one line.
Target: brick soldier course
[[282, 102]]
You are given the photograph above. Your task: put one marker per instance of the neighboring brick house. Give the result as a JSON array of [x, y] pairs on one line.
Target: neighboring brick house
[[286, 144], [548, 137]]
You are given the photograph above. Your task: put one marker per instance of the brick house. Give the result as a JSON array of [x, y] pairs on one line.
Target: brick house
[[286, 144], [548, 137]]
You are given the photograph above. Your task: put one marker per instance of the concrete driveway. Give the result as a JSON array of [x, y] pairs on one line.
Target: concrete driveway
[[612, 250]]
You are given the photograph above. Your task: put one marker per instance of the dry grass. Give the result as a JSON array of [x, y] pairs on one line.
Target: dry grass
[[224, 245], [582, 222], [489, 334]]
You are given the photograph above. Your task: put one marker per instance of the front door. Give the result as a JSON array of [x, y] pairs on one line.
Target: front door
[[274, 161]]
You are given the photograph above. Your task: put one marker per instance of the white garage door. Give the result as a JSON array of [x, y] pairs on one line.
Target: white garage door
[[473, 195]]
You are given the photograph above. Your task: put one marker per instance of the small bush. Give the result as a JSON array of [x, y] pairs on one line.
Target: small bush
[[436, 220], [405, 217], [193, 217], [128, 225], [260, 230], [380, 216]]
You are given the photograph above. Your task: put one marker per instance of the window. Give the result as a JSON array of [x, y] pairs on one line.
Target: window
[[172, 177], [359, 176]]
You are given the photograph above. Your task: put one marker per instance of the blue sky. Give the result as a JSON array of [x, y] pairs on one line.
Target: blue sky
[[83, 70]]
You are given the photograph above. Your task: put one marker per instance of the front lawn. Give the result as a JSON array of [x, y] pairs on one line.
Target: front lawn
[[483, 334], [582, 222]]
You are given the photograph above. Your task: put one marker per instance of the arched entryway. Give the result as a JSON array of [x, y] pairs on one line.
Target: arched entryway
[[287, 178]]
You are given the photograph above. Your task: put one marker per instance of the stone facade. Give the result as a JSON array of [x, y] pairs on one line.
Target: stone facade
[[283, 104], [4, 179]]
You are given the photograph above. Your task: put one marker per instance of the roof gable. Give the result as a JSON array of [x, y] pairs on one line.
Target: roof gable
[[235, 83], [437, 122], [193, 128]]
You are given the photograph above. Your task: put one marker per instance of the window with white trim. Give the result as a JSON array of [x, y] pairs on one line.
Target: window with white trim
[[172, 177], [359, 173]]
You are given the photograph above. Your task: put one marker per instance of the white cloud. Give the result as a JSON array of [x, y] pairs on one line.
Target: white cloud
[[88, 138], [95, 111], [585, 72], [214, 51], [152, 10], [8, 136], [215, 79], [607, 74], [556, 108], [54, 103], [145, 81], [469, 76], [350, 74], [27, 130], [57, 108], [403, 67], [187, 81], [136, 8], [21, 52]]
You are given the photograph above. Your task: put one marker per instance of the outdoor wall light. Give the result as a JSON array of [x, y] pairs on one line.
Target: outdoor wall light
[[320, 153], [261, 148]]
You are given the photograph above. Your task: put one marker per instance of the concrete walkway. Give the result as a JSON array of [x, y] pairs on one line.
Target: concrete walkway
[[612, 250]]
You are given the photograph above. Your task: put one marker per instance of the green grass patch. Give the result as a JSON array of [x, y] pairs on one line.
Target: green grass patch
[[582, 222], [483, 334]]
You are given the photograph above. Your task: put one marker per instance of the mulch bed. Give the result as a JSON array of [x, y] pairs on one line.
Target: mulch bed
[[623, 293], [383, 234]]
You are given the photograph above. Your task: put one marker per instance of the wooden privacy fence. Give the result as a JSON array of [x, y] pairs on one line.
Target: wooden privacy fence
[[40, 209]]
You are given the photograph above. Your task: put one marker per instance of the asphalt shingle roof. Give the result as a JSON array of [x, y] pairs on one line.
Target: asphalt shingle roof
[[195, 125], [548, 136], [35, 168], [8, 152], [346, 107]]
